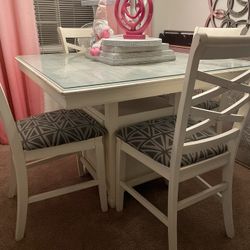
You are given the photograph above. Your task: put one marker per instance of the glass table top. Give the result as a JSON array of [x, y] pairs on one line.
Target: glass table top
[[71, 71]]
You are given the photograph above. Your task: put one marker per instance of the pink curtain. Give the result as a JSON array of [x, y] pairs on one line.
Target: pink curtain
[[18, 36]]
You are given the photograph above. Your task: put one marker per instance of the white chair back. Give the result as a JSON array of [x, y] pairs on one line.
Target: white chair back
[[66, 33], [211, 47], [11, 129], [218, 31]]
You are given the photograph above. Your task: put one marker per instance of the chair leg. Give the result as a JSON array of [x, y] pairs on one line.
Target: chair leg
[[172, 233], [172, 215], [101, 176], [177, 98], [120, 175], [22, 203], [81, 168], [12, 181], [227, 176]]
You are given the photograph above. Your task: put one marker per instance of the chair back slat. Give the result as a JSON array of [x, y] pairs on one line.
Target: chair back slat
[[214, 47], [207, 95], [211, 46], [237, 84], [211, 121], [218, 31], [202, 125], [242, 77], [66, 33], [76, 32], [238, 104], [216, 91], [223, 138], [215, 115], [219, 52]]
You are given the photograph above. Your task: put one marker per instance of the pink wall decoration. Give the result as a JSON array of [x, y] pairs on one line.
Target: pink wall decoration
[[233, 14]]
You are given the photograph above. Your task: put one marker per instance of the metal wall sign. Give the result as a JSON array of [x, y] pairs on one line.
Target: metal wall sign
[[228, 13]]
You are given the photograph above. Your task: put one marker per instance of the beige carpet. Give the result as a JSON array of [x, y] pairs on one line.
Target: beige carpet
[[74, 221]]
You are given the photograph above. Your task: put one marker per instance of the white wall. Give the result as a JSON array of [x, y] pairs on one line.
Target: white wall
[[159, 16], [184, 14], [179, 15]]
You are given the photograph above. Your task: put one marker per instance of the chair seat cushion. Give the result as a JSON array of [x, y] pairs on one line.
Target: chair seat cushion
[[210, 105], [57, 128], [154, 138]]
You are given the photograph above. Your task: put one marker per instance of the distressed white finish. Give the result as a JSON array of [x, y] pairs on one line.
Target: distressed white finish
[[203, 47], [75, 81], [22, 159]]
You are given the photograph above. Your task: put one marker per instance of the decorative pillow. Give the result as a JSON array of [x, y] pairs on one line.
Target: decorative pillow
[[155, 138], [58, 127]]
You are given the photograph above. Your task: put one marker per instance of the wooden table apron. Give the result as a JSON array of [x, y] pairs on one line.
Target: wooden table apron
[[110, 96]]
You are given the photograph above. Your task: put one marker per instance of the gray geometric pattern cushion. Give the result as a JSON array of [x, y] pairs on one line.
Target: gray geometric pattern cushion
[[155, 138], [209, 104], [58, 127]]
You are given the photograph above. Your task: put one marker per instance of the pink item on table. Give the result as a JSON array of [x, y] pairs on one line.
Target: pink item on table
[[136, 23], [95, 51], [101, 28]]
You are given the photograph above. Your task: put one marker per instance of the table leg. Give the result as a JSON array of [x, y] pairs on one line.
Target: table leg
[[111, 123]]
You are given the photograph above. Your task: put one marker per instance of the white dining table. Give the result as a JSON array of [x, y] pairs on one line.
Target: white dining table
[[75, 81]]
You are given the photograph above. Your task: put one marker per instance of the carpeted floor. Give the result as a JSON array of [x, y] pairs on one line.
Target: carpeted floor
[[75, 222]]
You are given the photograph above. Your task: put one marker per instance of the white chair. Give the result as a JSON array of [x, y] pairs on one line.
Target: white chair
[[73, 34], [40, 138], [178, 149]]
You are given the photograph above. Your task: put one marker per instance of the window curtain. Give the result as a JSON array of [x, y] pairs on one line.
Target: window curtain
[[18, 36]]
